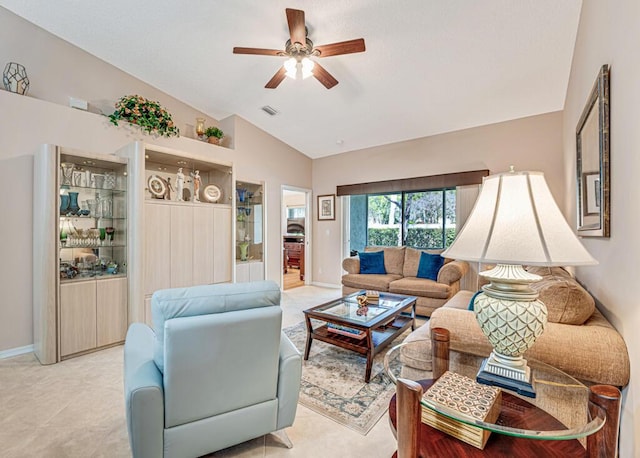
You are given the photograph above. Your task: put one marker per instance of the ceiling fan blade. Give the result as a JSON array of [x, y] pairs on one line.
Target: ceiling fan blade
[[324, 76], [258, 51], [343, 47], [297, 30], [277, 79]]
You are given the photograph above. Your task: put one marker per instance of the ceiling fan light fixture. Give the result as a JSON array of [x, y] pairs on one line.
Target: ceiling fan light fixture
[[290, 66], [307, 67]]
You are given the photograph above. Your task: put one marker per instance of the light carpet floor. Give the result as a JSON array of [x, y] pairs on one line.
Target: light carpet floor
[[76, 408]]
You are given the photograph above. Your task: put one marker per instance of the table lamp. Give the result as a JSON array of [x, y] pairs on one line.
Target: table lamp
[[515, 222]]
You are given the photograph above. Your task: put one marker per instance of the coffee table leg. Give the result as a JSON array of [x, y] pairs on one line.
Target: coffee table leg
[[413, 317], [309, 339], [370, 353]]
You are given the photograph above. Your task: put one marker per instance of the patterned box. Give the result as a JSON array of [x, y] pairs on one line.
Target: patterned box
[[466, 398]]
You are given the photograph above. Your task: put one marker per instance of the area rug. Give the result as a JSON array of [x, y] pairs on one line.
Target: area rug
[[333, 382]]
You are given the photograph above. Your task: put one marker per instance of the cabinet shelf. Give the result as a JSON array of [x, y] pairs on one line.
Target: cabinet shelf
[[115, 245], [97, 277], [96, 190]]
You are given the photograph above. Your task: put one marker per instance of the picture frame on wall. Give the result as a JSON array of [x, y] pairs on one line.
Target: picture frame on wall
[[327, 207], [592, 161]]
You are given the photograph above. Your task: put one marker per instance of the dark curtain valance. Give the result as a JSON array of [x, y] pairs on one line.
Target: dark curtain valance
[[446, 180]]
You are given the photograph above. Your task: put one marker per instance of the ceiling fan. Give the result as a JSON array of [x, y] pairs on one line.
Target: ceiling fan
[[299, 48]]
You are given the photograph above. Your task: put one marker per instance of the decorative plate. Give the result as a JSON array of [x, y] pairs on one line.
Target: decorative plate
[[157, 186], [212, 193]]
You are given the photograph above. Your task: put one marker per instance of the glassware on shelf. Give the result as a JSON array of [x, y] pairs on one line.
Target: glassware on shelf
[[110, 231], [110, 180], [241, 194], [244, 250], [94, 208], [103, 235], [73, 203], [106, 208], [67, 173], [64, 204], [98, 180]]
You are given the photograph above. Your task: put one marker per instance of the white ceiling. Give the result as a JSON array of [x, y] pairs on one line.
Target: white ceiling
[[431, 66]]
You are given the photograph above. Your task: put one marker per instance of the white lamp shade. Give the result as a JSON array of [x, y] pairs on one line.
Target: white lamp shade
[[516, 221]]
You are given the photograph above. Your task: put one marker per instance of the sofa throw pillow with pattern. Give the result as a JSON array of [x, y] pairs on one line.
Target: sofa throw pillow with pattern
[[372, 262], [430, 265]]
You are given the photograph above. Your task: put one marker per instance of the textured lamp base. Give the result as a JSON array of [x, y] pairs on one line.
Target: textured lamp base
[[511, 316], [513, 374]]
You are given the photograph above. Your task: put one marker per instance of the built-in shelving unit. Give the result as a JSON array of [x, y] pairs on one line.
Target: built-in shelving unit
[[80, 252], [181, 219]]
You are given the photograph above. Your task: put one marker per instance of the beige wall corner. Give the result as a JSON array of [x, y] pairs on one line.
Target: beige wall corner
[[608, 34]]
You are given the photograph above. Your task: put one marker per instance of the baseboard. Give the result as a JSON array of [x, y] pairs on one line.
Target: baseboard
[[10, 353], [326, 285]]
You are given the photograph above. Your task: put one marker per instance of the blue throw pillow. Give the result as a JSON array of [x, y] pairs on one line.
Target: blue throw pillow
[[372, 262], [430, 265], [473, 299]]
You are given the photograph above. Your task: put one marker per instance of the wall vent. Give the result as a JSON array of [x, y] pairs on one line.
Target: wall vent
[[269, 110]]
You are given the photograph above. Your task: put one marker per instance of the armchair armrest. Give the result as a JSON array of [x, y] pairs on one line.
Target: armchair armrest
[[452, 271], [351, 265], [143, 392], [289, 374]]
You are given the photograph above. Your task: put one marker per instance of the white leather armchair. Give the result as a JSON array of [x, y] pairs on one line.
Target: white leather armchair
[[216, 372]]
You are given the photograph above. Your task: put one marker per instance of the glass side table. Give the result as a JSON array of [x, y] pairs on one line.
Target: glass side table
[[564, 416]]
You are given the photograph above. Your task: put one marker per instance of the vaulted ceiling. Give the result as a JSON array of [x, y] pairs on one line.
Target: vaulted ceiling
[[430, 66]]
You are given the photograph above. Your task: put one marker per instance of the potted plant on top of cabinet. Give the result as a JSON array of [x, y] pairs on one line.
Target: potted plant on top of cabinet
[[214, 135]]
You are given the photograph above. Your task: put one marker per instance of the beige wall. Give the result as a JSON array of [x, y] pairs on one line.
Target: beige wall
[[58, 70], [533, 143], [54, 68], [608, 34]]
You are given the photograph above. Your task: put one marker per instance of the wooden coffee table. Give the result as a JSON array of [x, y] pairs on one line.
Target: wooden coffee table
[[376, 329]]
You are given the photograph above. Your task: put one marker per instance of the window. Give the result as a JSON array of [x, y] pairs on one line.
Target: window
[[295, 212], [420, 219]]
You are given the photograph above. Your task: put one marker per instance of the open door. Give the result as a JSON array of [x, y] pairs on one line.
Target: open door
[[296, 237]]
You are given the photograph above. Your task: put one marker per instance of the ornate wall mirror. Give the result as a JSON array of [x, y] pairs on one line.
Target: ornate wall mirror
[[592, 145]]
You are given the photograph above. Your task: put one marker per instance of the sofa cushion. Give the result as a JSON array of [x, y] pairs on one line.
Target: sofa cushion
[[567, 302], [413, 286], [369, 281], [393, 258], [429, 265], [372, 262], [412, 261]]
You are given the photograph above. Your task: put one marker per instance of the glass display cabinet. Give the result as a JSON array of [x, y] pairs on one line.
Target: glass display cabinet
[[249, 252], [80, 252]]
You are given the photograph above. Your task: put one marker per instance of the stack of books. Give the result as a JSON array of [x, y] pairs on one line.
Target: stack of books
[[345, 331], [465, 398], [372, 296]]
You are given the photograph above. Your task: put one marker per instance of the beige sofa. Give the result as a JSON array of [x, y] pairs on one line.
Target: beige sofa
[[577, 339], [401, 265]]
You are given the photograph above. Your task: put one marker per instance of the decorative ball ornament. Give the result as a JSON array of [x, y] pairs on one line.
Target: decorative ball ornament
[[15, 78]]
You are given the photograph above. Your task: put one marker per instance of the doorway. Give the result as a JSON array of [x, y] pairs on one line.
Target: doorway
[[296, 237]]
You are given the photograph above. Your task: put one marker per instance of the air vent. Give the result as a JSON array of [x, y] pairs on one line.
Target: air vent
[[269, 110]]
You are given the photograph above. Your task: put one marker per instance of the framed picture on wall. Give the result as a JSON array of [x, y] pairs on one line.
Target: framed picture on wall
[[327, 207]]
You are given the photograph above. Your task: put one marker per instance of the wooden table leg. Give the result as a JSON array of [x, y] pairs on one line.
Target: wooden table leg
[[370, 353], [309, 338], [439, 351], [413, 317], [604, 443], [408, 410]]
